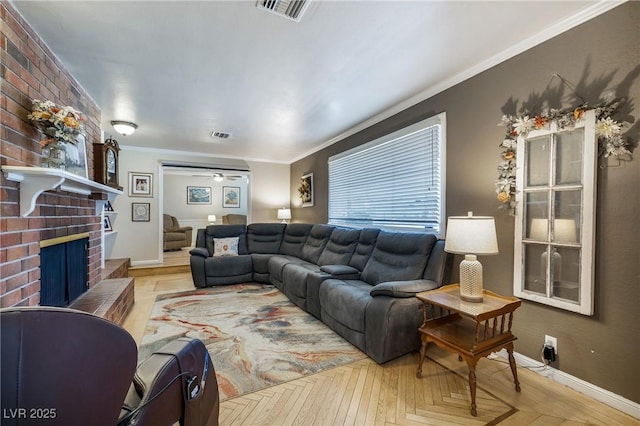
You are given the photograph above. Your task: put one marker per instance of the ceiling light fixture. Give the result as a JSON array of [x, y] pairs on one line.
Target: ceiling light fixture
[[218, 177], [124, 127]]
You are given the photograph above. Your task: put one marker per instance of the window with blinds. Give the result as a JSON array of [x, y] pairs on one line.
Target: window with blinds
[[394, 182]]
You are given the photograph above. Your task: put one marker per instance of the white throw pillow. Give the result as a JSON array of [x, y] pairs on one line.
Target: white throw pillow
[[225, 246]]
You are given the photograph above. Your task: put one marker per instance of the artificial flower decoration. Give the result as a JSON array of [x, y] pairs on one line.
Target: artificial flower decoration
[[304, 190], [56, 122], [608, 131]]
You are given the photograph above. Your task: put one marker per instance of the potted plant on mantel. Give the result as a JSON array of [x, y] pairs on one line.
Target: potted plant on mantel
[[61, 125]]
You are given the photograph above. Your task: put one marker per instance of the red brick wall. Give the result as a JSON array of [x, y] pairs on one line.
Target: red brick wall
[[29, 70]]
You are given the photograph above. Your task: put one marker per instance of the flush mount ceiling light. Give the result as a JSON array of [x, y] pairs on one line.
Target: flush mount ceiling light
[[124, 127]]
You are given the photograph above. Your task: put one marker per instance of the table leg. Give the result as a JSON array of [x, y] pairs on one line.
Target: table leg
[[472, 385], [423, 352], [512, 364]]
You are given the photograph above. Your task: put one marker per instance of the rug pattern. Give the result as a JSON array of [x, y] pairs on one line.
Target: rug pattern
[[257, 338]]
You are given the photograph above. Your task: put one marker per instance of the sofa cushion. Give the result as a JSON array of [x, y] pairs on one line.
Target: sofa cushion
[[225, 246], [316, 242], [340, 247], [295, 235], [265, 237], [364, 248], [398, 256]]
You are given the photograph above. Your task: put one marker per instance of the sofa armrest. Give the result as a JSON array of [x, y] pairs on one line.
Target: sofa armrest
[[338, 270], [402, 288], [199, 251]]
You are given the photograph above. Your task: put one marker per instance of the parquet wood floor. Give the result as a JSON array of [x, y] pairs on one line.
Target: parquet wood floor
[[365, 393]]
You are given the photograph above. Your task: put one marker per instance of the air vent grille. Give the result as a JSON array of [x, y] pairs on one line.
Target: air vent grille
[[290, 9], [220, 135]]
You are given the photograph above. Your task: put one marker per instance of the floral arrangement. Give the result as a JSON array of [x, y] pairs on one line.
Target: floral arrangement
[[59, 123], [608, 131], [304, 190]]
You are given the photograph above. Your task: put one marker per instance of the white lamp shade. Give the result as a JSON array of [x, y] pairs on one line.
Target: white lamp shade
[[125, 128], [211, 218], [284, 214], [471, 235]]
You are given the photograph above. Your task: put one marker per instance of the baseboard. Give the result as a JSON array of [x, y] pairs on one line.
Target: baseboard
[[606, 397], [154, 262]]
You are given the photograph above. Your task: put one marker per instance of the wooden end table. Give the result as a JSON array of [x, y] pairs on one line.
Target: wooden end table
[[472, 330]]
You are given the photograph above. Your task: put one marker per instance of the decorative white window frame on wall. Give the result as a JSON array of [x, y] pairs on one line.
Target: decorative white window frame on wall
[[557, 229], [394, 182]]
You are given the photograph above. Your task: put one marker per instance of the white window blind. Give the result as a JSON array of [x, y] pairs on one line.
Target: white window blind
[[394, 182]]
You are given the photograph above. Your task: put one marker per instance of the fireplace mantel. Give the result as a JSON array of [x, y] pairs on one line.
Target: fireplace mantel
[[35, 180]]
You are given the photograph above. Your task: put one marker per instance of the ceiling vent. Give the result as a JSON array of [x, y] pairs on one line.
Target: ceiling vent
[[220, 135], [290, 9]]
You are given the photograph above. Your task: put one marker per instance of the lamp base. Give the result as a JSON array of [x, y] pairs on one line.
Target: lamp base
[[471, 279]]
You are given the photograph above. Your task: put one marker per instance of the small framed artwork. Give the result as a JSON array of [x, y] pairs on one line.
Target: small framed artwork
[[107, 224], [231, 196], [198, 195], [140, 212], [305, 190], [140, 184], [107, 206]]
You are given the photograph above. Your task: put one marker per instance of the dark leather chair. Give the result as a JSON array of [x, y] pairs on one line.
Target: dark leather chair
[[66, 367]]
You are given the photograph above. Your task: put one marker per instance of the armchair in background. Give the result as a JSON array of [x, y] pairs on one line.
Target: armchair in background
[[175, 236], [234, 219]]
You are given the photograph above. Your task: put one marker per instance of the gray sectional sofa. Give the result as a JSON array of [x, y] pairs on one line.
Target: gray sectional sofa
[[359, 282]]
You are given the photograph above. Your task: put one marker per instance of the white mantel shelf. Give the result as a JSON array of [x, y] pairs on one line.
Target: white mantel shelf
[[35, 180]]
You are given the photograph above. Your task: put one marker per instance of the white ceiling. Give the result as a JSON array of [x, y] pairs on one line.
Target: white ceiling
[[182, 69]]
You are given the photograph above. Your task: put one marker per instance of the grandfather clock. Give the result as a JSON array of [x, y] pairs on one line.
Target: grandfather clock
[[106, 163]]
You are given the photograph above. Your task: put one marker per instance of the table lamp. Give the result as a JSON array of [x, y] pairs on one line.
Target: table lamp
[[211, 218], [471, 235], [284, 214]]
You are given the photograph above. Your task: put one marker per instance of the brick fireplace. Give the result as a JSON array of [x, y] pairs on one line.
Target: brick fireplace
[[30, 71]]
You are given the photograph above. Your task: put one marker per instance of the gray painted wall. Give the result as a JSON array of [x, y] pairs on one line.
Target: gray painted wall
[[601, 54]]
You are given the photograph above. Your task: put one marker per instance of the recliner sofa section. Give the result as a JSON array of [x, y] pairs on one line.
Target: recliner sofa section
[[360, 282]]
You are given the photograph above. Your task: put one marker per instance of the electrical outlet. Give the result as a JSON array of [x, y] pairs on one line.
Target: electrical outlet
[[551, 341]]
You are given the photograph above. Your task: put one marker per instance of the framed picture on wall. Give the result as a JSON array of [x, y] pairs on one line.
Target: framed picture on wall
[[140, 184], [305, 190], [140, 212], [75, 158], [198, 195], [231, 196]]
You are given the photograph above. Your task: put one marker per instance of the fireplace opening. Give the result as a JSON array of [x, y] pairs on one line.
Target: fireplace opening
[[63, 269]]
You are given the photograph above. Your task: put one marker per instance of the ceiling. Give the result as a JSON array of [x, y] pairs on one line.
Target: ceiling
[[182, 69]]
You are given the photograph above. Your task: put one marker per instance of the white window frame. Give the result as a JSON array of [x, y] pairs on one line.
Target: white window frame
[[586, 242], [437, 229]]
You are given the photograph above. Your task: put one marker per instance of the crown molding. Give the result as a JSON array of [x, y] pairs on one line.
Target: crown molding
[[548, 33]]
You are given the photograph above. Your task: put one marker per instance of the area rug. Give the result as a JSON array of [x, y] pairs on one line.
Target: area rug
[[257, 338]]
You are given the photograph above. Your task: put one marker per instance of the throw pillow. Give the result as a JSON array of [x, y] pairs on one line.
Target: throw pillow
[[225, 246]]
